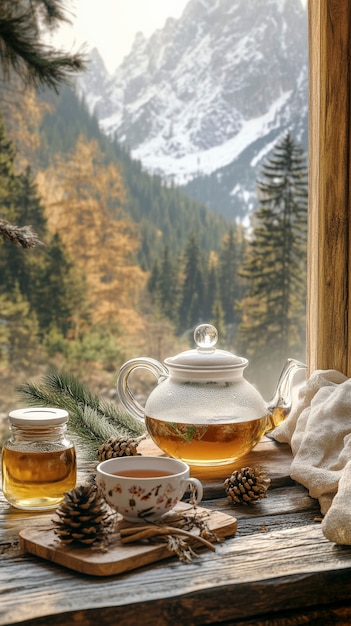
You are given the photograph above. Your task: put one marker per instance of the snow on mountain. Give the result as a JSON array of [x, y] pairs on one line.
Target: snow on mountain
[[183, 168], [203, 100]]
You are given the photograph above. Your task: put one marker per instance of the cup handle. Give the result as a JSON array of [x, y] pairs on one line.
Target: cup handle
[[197, 490]]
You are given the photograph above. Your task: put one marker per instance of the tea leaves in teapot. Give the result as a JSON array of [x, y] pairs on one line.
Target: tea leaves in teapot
[[188, 432]]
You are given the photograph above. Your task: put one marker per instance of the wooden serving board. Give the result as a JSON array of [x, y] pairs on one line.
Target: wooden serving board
[[119, 557]]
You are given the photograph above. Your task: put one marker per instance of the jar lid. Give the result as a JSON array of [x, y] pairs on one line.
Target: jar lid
[[38, 416], [205, 360]]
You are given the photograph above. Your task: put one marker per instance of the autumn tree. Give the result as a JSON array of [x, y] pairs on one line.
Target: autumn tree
[[83, 196], [22, 113], [273, 312]]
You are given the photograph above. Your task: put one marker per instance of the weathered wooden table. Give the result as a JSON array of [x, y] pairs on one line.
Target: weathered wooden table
[[277, 570]]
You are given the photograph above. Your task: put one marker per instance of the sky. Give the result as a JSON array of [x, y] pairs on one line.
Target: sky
[[111, 25]]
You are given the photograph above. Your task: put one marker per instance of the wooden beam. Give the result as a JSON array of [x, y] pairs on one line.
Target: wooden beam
[[328, 301]]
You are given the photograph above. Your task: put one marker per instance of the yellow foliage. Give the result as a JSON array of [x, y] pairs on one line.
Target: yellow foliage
[[83, 197], [22, 114], [212, 259]]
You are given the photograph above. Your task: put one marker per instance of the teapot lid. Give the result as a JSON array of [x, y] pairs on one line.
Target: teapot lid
[[205, 363]]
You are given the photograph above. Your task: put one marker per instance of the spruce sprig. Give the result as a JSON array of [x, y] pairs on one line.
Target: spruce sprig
[[22, 236], [91, 419]]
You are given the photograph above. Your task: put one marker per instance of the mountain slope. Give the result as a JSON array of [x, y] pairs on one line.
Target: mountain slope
[[202, 100], [165, 215]]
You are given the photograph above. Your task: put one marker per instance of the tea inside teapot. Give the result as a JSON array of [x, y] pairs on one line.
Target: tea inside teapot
[[214, 442]]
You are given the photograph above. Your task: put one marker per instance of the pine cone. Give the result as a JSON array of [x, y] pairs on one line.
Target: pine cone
[[118, 447], [247, 486], [84, 516]]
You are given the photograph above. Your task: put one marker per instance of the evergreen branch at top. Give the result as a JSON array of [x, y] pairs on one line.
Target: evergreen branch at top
[[21, 50], [91, 420], [20, 235], [51, 11]]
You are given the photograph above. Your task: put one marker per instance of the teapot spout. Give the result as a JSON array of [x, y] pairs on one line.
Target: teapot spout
[[280, 405]]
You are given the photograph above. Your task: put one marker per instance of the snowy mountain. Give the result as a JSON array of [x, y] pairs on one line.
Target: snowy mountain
[[203, 100]]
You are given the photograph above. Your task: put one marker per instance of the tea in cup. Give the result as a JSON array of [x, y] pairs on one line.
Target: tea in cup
[[145, 487]]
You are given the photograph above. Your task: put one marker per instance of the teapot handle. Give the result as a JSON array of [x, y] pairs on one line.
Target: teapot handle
[[126, 397]]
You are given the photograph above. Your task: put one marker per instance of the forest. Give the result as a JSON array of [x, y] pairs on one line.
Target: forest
[[127, 265]]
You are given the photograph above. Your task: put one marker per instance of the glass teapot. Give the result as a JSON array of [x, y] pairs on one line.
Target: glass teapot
[[203, 411]]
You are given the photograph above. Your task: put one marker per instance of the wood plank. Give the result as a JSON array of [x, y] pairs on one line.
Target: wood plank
[[336, 614], [246, 576], [281, 503]]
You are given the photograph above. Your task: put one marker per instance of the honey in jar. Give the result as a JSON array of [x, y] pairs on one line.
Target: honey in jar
[[38, 461]]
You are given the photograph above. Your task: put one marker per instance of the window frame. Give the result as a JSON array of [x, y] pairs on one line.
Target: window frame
[[328, 293]]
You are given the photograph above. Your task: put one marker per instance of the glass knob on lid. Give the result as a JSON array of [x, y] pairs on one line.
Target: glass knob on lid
[[206, 337]]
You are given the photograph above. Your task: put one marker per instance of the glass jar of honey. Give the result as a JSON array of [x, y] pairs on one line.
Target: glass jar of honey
[[38, 461]]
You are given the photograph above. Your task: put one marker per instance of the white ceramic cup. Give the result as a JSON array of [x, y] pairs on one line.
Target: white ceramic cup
[[153, 486]]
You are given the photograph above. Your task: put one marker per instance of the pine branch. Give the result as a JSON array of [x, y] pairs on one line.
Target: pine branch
[[51, 11], [175, 532], [91, 420], [19, 235], [22, 51]]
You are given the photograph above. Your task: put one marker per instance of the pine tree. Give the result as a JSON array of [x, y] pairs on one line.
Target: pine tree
[[212, 287], [191, 309], [153, 281], [15, 190], [31, 209], [58, 293], [273, 312], [19, 339], [217, 319], [163, 285], [20, 205], [229, 281]]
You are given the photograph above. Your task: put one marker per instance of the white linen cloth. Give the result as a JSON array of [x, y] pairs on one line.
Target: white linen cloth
[[318, 431]]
